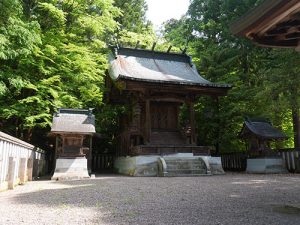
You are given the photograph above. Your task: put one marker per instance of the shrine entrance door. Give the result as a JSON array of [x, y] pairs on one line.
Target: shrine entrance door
[[164, 116]]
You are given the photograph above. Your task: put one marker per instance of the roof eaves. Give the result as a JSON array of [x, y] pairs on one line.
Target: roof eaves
[[254, 16], [228, 86], [146, 53], [257, 133]]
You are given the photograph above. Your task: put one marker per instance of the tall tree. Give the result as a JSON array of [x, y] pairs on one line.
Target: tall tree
[[133, 24], [221, 57], [62, 63], [133, 17]]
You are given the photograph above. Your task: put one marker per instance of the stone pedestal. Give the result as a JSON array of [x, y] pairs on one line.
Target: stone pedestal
[[138, 166], [70, 169], [266, 165], [185, 164]]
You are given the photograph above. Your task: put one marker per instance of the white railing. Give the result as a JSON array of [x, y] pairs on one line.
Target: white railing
[[19, 161]]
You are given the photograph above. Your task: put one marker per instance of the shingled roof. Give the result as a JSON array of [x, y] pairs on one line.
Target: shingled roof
[[73, 121], [154, 66], [262, 129]]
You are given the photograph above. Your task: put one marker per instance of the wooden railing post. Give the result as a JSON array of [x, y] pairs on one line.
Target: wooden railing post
[[29, 169], [23, 170], [11, 172]]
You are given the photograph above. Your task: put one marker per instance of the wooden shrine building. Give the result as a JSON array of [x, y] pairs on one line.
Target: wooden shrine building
[[259, 133], [153, 86], [73, 130], [274, 23]]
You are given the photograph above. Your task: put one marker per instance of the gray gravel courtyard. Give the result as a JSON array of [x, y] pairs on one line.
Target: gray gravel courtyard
[[228, 199]]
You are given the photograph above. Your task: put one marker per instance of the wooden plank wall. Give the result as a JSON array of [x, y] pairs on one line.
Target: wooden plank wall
[[291, 160], [103, 162], [234, 161], [238, 161]]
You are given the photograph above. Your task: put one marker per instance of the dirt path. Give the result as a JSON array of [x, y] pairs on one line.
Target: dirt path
[[230, 199]]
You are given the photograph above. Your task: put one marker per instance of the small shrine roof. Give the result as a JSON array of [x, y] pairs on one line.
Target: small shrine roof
[[156, 67], [73, 121], [261, 128]]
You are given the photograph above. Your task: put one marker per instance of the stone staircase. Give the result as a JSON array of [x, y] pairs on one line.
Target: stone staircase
[[182, 166]]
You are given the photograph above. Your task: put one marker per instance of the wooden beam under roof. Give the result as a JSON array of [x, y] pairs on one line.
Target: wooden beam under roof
[[274, 23]]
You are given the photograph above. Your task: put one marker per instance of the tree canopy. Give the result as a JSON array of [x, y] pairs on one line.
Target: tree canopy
[[264, 82], [53, 54]]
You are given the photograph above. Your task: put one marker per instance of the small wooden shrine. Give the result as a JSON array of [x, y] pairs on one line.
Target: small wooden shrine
[[153, 86], [73, 129], [259, 133], [274, 23]]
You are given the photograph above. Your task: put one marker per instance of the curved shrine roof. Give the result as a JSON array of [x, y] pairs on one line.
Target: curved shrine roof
[[73, 121], [262, 129], [153, 66]]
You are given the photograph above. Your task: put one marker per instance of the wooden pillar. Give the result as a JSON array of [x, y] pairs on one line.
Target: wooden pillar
[[217, 131], [147, 122], [55, 153], [90, 156], [177, 113], [192, 122]]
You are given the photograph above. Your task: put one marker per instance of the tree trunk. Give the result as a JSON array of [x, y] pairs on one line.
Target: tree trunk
[[295, 115], [216, 100], [296, 127]]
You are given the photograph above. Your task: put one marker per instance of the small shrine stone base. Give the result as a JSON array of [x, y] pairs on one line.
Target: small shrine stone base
[[71, 169], [180, 164], [266, 165]]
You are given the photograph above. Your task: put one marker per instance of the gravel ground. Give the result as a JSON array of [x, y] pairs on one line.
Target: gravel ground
[[228, 199]]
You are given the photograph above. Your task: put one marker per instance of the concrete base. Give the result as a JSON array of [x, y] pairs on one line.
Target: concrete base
[[215, 164], [144, 166], [266, 165], [70, 169], [149, 165]]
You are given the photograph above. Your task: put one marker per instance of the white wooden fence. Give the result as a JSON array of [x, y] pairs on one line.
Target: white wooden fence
[[19, 162]]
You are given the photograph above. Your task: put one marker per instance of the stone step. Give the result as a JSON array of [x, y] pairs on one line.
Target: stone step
[[184, 170], [184, 162], [186, 173], [193, 167], [181, 159], [184, 166]]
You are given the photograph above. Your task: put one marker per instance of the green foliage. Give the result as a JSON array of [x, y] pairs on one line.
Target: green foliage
[[133, 26], [133, 17], [264, 80], [53, 54]]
